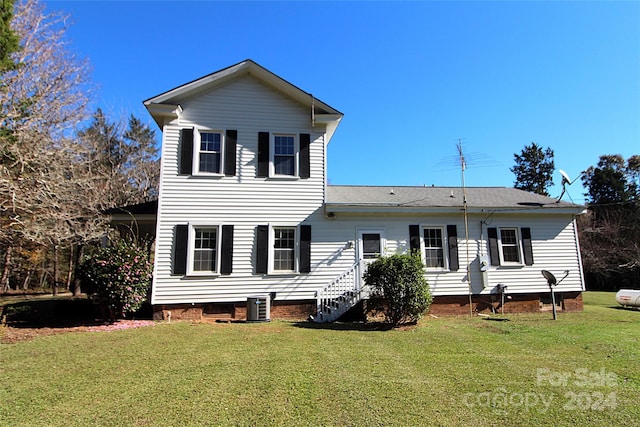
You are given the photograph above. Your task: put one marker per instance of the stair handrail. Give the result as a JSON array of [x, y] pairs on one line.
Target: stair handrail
[[338, 288]]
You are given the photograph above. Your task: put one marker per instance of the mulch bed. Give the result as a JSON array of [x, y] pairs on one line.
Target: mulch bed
[[11, 335]]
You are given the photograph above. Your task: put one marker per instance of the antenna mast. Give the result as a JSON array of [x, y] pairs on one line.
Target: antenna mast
[[463, 166]]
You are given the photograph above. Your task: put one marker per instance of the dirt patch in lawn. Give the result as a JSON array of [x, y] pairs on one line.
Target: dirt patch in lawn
[[11, 335]]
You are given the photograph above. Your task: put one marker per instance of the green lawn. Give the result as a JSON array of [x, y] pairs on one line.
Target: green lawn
[[583, 369]]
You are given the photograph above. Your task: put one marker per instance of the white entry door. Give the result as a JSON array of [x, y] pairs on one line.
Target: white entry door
[[371, 243]]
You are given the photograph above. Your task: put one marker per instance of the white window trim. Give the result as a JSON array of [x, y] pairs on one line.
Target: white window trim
[[445, 245], [296, 250], [504, 263], [191, 251], [196, 151], [296, 155]]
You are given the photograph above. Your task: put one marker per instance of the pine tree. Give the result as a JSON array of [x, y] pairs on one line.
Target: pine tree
[[9, 40], [534, 168]]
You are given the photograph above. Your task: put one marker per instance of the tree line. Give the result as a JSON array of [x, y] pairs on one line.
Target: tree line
[[609, 232], [61, 165]]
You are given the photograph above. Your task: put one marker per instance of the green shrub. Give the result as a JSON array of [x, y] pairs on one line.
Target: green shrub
[[119, 276], [399, 287]]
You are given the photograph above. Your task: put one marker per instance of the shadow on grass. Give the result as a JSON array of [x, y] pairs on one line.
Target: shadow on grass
[[65, 312], [619, 307], [346, 326]]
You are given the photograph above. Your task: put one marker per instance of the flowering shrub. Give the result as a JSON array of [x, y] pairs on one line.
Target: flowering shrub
[[119, 276]]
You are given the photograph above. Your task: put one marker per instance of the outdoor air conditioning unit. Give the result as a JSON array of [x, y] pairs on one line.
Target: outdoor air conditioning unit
[[259, 308]]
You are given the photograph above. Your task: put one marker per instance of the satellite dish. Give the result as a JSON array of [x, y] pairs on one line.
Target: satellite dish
[[551, 279], [565, 177], [566, 180]]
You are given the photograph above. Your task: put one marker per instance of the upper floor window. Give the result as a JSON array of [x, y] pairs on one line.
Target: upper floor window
[[209, 153], [284, 155]]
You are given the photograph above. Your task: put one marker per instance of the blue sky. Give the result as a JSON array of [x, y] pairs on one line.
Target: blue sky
[[412, 78]]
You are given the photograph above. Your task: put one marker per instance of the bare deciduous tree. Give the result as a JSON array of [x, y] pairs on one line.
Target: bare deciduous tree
[[46, 191]]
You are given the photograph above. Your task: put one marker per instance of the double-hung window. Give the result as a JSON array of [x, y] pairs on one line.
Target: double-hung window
[[205, 249], [209, 153], [202, 249], [438, 246], [510, 245], [284, 155], [284, 249], [433, 242]]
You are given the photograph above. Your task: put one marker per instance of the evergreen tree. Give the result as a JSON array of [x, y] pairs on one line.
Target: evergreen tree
[[612, 181], [125, 157], [534, 168], [9, 40]]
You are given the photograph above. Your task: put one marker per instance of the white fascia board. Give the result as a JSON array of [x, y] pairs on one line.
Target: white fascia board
[[159, 99], [132, 217], [387, 209], [398, 209], [331, 121], [161, 112]]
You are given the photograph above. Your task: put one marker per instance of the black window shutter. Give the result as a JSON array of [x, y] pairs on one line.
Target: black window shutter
[[414, 238], [262, 249], [305, 248], [226, 258], [263, 154], [186, 152], [180, 248], [493, 245], [527, 249], [231, 141], [452, 237], [305, 159]]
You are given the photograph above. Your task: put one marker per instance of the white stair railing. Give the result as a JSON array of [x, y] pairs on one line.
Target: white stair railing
[[340, 295]]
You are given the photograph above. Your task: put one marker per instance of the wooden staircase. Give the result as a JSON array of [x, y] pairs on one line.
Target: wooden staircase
[[339, 296]]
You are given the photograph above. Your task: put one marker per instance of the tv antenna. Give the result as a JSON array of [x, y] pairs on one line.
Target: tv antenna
[[566, 180], [463, 166]]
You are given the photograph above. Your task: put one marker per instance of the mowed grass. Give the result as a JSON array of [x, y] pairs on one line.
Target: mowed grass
[[582, 369]]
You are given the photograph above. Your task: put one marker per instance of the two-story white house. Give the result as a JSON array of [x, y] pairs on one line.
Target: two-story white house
[[245, 213]]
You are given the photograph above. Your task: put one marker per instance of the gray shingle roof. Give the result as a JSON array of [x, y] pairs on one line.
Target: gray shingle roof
[[434, 197]]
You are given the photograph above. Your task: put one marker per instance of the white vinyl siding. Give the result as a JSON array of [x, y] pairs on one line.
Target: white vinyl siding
[[243, 200]]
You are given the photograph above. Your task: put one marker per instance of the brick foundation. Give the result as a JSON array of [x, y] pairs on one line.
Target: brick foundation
[[441, 306], [284, 310], [518, 303]]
